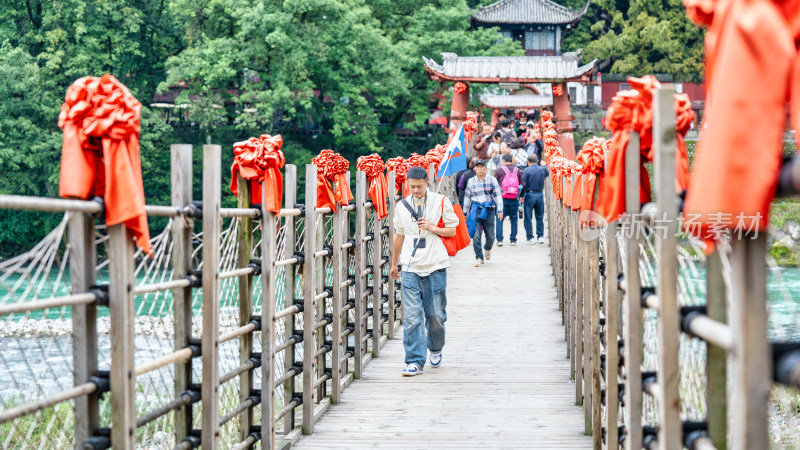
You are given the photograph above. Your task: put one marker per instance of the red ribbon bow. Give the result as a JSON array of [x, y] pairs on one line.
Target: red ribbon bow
[[400, 167], [435, 157], [100, 151], [417, 160], [459, 87], [378, 187], [471, 124], [591, 160], [260, 160], [332, 168]]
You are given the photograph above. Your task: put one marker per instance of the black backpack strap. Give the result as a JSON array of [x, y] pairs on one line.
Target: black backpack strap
[[410, 209]]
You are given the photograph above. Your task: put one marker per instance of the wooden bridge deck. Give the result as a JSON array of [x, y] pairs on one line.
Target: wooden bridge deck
[[504, 382]]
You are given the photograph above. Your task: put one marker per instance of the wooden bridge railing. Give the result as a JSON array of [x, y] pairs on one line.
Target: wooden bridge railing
[[239, 335], [654, 327]]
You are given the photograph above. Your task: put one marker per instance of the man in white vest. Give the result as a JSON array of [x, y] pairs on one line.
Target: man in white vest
[[420, 261]]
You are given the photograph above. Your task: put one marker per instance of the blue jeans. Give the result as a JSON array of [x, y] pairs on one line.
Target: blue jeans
[[424, 314], [484, 226], [534, 202], [510, 209]]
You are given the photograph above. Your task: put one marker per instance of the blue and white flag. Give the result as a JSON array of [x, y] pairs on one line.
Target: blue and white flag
[[455, 158]]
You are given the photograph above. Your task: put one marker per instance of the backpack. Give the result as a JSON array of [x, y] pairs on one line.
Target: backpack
[[510, 185]]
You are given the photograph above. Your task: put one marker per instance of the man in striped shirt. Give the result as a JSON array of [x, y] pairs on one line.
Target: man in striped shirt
[[480, 201]]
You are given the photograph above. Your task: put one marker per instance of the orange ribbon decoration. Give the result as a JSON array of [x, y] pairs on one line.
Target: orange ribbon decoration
[[259, 160], [378, 187], [633, 111], [748, 43], [591, 158], [471, 124], [417, 160], [435, 157], [100, 151], [332, 168], [400, 167]]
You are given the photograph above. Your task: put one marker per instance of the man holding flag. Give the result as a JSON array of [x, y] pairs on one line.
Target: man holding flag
[[420, 259]]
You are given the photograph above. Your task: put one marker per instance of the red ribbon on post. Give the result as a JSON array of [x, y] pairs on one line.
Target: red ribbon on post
[[417, 160], [100, 151], [400, 167], [591, 158], [378, 187], [332, 168], [260, 160]]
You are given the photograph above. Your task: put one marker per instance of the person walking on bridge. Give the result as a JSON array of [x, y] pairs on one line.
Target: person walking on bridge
[[482, 200], [533, 198], [419, 248]]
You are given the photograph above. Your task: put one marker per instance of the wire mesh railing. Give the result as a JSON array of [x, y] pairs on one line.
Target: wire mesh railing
[[180, 338], [681, 343]]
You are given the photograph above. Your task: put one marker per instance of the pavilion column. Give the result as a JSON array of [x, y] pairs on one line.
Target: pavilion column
[[563, 121], [458, 110], [495, 117]]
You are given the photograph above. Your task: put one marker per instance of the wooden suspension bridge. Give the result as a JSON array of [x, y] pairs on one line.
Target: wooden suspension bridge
[[250, 328]]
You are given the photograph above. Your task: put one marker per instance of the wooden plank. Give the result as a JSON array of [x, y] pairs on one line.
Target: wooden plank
[[586, 277], [633, 294], [577, 292], [245, 238], [121, 301], [751, 360], [610, 303], [360, 280], [83, 255], [532, 408], [181, 160], [212, 225], [392, 286], [309, 303], [716, 359], [289, 245], [669, 415]]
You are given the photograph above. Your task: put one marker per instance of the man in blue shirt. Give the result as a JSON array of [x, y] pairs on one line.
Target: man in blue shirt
[[533, 180]]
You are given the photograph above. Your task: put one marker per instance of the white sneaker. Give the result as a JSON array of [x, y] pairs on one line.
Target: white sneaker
[[435, 359], [530, 241], [499, 244], [514, 244], [478, 262], [412, 370], [540, 240], [487, 254]]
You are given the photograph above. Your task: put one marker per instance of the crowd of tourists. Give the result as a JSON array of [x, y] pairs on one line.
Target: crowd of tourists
[[505, 179]]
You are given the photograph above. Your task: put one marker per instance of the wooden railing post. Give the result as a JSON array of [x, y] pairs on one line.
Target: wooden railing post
[[83, 254], [716, 359], [577, 292], [121, 300], [212, 224], [596, 330], [669, 430], [392, 285], [340, 266], [610, 304], [361, 279], [633, 295], [245, 238], [181, 155], [269, 255], [289, 245], [309, 302], [751, 360], [377, 281]]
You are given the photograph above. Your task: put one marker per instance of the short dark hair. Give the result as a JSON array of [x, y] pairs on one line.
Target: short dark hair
[[507, 158], [497, 134], [533, 158], [417, 173], [504, 123]]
